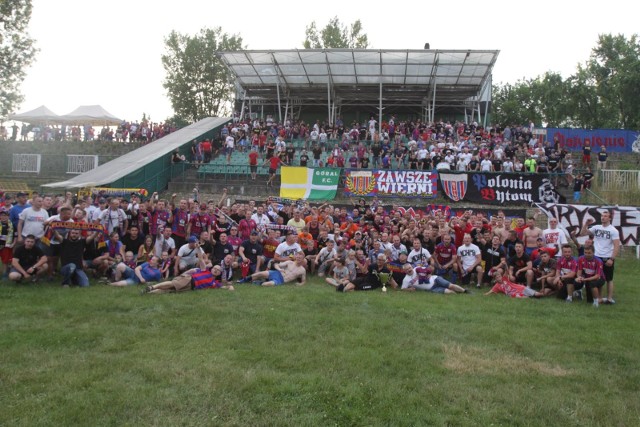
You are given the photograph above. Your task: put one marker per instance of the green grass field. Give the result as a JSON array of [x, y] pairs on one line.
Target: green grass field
[[311, 356]]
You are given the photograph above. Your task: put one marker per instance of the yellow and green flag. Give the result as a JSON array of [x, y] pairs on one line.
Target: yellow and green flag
[[309, 183]]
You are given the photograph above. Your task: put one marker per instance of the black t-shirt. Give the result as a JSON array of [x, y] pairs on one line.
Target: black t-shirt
[[304, 159], [364, 162], [131, 244], [93, 251], [252, 250], [27, 257], [72, 251], [519, 262], [492, 256], [220, 251]]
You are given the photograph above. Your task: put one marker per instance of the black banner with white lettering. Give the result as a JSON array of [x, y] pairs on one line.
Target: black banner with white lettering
[[499, 188], [573, 217]]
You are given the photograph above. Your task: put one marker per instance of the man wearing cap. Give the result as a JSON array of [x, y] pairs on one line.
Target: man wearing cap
[[16, 210], [189, 255], [96, 214]]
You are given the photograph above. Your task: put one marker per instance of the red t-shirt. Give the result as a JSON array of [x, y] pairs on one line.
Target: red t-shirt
[[511, 289], [253, 158], [206, 146], [274, 162]]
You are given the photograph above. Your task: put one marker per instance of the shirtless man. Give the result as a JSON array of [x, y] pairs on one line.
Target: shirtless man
[[530, 236], [500, 230]]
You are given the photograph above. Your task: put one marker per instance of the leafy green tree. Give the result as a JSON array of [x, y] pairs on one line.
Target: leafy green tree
[[17, 51], [615, 67], [198, 84], [513, 103], [336, 35]]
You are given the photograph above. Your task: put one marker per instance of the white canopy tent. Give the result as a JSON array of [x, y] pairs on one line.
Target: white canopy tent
[[93, 115], [39, 115]]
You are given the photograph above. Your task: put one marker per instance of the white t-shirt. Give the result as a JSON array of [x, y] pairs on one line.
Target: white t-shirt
[[554, 238], [467, 254], [163, 245], [603, 238], [189, 256], [230, 141], [63, 233], [485, 165], [419, 257], [326, 254], [260, 220], [285, 250], [33, 222]]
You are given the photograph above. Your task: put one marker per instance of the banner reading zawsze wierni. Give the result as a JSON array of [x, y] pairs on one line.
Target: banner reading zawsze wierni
[[380, 182], [499, 188]]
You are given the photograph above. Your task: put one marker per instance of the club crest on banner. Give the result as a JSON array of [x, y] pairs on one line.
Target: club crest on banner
[[361, 183], [454, 185]]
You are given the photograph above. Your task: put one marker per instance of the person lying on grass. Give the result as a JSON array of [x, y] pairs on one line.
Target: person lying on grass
[[146, 272], [514, 290], [285, 272], [191, 280], [421, 278]]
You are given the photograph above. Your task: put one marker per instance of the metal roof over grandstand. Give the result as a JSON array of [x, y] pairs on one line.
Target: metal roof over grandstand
[[137, 159], [429, 78]]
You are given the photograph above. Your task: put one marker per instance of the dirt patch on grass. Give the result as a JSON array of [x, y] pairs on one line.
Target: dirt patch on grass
[[470, 359]]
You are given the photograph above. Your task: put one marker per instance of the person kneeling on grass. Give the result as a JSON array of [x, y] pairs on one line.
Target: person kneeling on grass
[[514, 290], [191, 280], [286, 271], [146, 272], [422, 278]]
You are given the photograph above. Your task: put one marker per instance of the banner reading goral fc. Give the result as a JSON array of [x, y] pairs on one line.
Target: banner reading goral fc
[[379, 182]]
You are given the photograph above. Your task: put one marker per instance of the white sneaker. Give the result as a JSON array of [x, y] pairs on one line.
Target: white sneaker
[[569, 299], [595, 303]]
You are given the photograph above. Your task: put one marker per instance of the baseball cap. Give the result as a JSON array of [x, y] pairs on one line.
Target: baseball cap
[[203, 206], [403, 252], [102, 200], [21, 194], [255, 233], [3, 211], [193, 239]]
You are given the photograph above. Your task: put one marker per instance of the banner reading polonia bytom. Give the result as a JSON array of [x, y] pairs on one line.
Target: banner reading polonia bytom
[[309, 183], [378, 182], [497, 188]]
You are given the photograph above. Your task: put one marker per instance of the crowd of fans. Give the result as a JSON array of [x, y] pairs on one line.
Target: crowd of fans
[[196, 244], [126, 132], [402, 145]]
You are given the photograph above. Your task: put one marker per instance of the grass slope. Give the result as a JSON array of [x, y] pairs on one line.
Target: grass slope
[[311, 356]]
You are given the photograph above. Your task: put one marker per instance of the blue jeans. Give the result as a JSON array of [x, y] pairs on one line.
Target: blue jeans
[[71, 273]]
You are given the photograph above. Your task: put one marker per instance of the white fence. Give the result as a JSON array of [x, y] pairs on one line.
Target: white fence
[[619, 180], [28, 163], [78, 164]]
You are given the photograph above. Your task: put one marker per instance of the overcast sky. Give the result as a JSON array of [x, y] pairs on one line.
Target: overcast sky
[[108, 52]]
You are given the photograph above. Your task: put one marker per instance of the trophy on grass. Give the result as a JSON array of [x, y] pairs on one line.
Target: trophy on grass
[[384, 279]]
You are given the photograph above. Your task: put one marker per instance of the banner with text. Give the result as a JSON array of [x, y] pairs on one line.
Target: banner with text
[[616, 140], [378, 182], [573, 217], [499, 188]]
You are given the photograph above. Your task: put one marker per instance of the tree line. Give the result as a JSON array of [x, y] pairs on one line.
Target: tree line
[[602, 93]]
